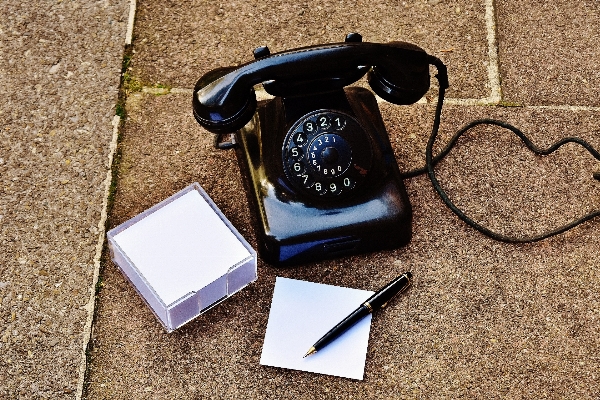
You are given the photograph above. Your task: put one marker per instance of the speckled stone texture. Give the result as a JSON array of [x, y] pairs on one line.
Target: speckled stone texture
[[59, 69], [483, 320], [176, 42], [549, 51]]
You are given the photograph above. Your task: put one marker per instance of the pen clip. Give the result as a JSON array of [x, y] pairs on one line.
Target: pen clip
[[401, 291]]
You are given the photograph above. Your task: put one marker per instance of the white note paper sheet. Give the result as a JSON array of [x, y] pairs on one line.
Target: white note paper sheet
[[301, 313]]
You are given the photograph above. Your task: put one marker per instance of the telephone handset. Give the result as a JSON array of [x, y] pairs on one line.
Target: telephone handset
[[318, 167]]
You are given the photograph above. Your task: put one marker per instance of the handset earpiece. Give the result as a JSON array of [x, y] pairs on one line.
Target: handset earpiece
[[216, 108], [403, 78]]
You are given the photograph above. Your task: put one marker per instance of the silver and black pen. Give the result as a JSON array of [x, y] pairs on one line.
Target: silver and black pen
[[379, 300]]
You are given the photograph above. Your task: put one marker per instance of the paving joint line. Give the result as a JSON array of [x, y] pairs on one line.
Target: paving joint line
[[493, 66], [130, 22], [90, 306]]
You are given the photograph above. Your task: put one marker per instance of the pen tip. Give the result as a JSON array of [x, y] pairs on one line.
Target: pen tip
[[310, 351]]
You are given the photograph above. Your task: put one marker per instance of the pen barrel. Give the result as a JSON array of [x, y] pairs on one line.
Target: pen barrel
[[342, 327], [393, 288]]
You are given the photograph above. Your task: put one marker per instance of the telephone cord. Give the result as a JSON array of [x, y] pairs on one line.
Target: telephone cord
[[431, 161]]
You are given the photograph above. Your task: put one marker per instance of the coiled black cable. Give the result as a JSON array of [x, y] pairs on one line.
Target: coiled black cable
[[431, 161]]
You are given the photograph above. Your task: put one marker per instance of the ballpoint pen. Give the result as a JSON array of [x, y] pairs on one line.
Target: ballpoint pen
[[379, 300]]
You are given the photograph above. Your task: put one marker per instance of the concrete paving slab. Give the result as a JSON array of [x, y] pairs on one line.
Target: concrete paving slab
[[548, 51], [60, 70], [483, 319], [176, 43]]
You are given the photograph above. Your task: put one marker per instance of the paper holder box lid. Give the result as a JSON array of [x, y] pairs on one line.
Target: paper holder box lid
[[182, 256]]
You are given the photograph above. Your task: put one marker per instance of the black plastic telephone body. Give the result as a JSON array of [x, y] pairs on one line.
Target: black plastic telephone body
[[318, 167]]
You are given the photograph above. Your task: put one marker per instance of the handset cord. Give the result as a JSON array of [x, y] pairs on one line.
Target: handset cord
[[431, 161]]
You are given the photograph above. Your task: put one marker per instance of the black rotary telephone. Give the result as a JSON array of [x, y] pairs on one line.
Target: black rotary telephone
[[319, 170]]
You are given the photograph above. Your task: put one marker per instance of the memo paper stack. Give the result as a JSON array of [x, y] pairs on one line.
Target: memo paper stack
[[182, 256]]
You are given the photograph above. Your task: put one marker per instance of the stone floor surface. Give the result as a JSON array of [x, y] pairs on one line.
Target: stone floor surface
[[59, 65], [484, 319]]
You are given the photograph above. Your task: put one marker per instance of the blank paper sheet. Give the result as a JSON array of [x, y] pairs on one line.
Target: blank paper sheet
[[301, 313]]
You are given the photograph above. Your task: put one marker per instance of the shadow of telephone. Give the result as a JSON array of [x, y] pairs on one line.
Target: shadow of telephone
[[316, 160]]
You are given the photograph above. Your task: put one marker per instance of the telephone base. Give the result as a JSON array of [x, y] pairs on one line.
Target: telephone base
[[295, 227]]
